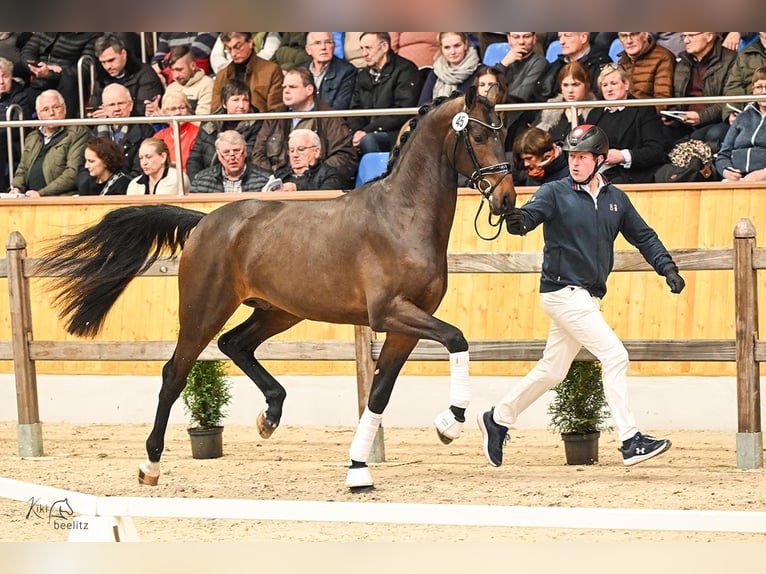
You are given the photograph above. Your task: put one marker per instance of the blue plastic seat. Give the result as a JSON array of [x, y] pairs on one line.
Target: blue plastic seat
[[371, 166], [553, 51], [495, 52], [615, 49]]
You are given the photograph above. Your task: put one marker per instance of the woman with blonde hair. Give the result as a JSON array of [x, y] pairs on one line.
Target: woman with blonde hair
[[454, 68], [160, 175]]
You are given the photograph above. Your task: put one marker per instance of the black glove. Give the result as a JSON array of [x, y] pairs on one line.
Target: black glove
[[514, 222], [675, 281]]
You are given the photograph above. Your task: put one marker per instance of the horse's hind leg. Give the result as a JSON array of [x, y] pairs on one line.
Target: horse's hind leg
[[240, 343]]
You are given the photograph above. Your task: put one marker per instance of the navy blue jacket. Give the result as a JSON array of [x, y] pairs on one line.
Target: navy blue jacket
[[579, 235], [337, 86]]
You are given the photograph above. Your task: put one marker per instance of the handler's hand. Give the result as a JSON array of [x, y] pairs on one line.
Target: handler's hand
[[675, 281], [514, 222]]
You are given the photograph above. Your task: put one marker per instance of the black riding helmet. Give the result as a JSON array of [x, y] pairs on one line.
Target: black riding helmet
[[589, 138]]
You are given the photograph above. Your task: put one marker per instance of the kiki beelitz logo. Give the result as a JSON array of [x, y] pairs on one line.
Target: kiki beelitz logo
[[59, 514]]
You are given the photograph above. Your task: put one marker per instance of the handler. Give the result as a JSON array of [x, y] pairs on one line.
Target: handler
[[581, 216]]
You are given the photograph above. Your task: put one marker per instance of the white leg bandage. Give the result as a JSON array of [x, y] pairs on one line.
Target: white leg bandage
[[460, 387], [365, 435]]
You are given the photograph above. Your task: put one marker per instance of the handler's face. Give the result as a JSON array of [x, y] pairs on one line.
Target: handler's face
[[581, 164]]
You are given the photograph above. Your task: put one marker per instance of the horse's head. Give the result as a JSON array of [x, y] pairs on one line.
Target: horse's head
[[479, 152]]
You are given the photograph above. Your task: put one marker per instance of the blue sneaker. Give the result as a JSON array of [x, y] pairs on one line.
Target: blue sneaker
[[642, 447], [495, 437]]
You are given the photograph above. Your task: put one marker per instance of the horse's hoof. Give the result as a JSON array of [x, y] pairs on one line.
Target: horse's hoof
[[359, 479], [147, 479], [265, 427], [448, 428]]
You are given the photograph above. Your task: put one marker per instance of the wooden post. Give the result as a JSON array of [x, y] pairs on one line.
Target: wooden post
[[30, 434], [749, 437], [365, 367]]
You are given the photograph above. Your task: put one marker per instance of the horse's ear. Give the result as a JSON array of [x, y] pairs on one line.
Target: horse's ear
[[470, 97], [493, 93]]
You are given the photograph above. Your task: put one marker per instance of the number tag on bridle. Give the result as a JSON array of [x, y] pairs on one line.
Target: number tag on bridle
[[460, 121]]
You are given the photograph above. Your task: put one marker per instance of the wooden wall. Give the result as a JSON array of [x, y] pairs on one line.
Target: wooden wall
[[485, 306]]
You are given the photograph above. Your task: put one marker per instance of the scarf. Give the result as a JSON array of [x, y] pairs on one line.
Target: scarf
[[448, 78]]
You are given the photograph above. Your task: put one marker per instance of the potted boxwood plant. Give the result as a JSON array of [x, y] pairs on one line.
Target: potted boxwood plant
[[205, 398], [579, 411]]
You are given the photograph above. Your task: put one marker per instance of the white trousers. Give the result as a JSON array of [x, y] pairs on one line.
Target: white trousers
[[576, 322]]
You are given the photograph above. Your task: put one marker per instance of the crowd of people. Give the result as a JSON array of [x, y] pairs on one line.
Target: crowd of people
[[234, 73]]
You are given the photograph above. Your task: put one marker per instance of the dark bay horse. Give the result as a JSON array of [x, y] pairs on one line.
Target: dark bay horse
[[376, 256]]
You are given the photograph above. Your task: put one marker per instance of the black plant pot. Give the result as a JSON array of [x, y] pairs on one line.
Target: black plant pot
[[206, 442], [581, 448]]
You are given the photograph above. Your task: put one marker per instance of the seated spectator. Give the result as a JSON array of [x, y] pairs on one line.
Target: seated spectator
[[537, 159], [271, 145], [234, 174], [263, 78], [387, 81], [575, 47], [176, 104], [117, 103], [649, 66], [522, 66], [118, 67], [160, 176], [12, 92], [188, 79], [51, 59], [635, 133], [574, 85], [306, 170], [454, 68], [701, 70], [740, 77], [265, 45], [516, 121], [199, 43], [102, 174], [236, 98], [52, 154], [742, 156], [333, 77]]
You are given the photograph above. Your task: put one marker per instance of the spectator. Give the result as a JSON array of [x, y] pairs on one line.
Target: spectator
[[574, 86], [388, 81], [12, 92], [199, 43], [51, 58], [701, 70], [454, 68], [117, 67], [11, 44], [264, 78], [176, 104], [52, 154], [740, 77], [333, 77], [575, 47], [649, 66], [635, 133], [306, 170], [537, 159], [188, 79], [160, 176], [271, 145], [742, 156], [516, 121], [522, 66], [117, 103], [265, 45], [236, 98], [234, 174], [102, 174], [291, 52]]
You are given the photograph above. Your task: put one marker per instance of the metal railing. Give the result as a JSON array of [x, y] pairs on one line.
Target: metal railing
[[13, 108]]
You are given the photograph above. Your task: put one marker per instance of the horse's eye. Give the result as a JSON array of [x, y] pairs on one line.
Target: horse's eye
[[480, 137]]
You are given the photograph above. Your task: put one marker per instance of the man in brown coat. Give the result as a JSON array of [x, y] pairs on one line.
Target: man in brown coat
[[263, 77], [649, 66]]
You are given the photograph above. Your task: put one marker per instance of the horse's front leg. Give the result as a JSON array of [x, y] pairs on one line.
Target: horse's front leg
[[393, 355]]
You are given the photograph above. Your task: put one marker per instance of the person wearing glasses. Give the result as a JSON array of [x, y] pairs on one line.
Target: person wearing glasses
[[176, 103], [742, 156], [52, 154], [334, 78], [575, 47], [307, 171], [522, 66], [649, 66], [701, 70], [232, 173], [188, 79], [118, 66], [387, 81], [263, 78], [271, 149]]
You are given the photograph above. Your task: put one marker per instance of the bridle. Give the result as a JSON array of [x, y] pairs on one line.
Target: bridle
[[478, 179]]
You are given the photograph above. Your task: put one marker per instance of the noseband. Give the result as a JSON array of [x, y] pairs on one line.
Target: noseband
[[478, 179]]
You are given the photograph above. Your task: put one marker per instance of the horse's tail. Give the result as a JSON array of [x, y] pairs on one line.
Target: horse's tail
[[94, 267]]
